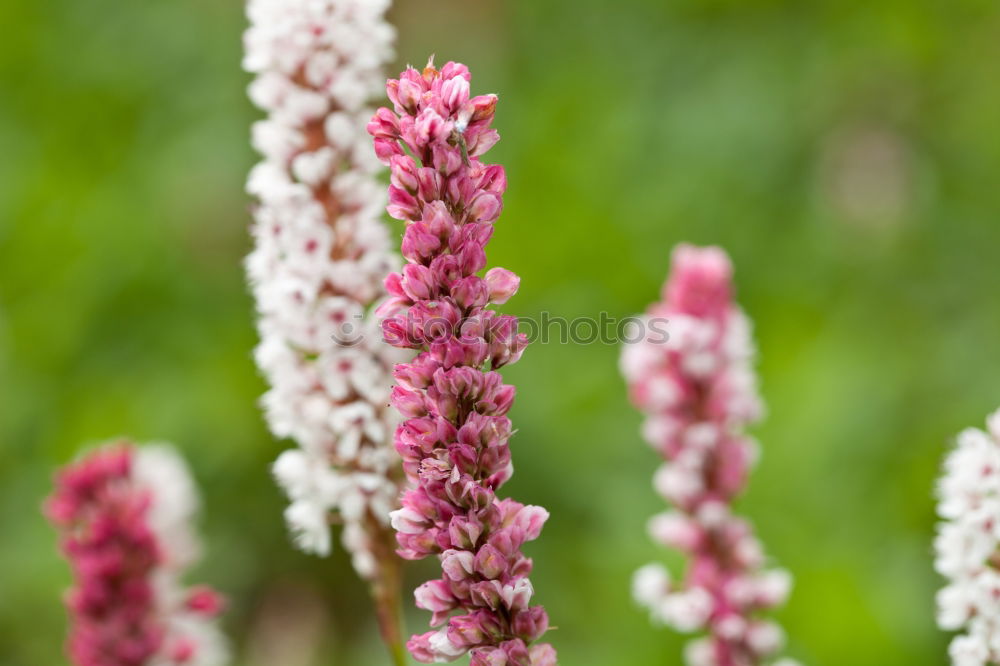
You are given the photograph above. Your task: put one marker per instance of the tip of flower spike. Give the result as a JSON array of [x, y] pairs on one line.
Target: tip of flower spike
[[78, 483], [700, 280], [993, 424], [710, 259]]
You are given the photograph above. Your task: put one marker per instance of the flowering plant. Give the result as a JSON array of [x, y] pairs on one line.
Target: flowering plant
[[967, 546], [698, 391], [321, 252], [124, 516], [454, 440]]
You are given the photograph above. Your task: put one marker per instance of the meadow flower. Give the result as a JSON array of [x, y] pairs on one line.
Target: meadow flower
[[320, 254], [691, 375], [967, 546], [454, 440], [124, 516]]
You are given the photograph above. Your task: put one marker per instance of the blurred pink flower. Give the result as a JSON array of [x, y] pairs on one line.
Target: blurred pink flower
[[124, 517], [698, 391]]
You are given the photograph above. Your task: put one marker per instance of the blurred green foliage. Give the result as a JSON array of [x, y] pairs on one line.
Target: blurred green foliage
[[845, 153]]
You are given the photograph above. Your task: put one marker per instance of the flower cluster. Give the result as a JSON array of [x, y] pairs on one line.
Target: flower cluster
[[968, 546], [454, 440], [321, 252], [698, 391], [124, 517]]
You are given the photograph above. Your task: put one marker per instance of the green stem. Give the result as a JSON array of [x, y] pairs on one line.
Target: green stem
[[386, 590]]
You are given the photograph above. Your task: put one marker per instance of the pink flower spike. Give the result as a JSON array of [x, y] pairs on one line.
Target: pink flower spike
[[455, 437], [691, 375], [124, 515]]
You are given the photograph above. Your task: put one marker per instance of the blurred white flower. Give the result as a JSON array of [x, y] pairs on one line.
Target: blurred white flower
[[967, 543], [321, 252]]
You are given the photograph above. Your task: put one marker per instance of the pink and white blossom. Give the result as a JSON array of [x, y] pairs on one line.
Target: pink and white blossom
[[124, 516], [691, 374], [967, 547], [454, 440], [321, 252]]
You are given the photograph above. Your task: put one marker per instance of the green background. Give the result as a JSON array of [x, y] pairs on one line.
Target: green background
[[845, 153]]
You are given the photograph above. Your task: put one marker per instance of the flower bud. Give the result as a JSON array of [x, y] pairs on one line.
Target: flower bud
[[409, 403], [490, 562], [436, 596], [407, 521], [502, 284], [457, 564], [531, 623]]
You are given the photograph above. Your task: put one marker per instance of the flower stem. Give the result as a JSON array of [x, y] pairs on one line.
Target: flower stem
[[386, 591]]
